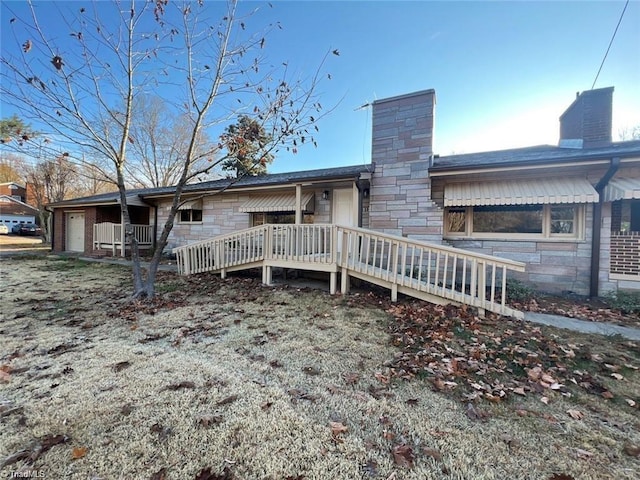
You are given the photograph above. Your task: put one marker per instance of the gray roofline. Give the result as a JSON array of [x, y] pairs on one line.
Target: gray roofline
[[549, 154], [273, 179]]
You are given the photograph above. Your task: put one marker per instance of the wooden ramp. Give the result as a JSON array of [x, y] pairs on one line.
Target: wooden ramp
[[436, 273]]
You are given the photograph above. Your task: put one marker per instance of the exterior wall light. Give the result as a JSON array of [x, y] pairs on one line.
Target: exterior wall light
[[325, 195]]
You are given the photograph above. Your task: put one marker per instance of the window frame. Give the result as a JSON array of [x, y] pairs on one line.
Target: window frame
[[468, 233], [305, 217], [191, 215]]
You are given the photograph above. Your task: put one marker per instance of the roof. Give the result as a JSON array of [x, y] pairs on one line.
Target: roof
[[539, 154], [11, 206], [272, 179]]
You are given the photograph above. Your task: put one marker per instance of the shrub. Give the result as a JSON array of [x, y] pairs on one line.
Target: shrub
[[518, 291], [625, 301]]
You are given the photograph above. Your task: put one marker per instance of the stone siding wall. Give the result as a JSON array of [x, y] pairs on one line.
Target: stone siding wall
[[400, 200], [555, 267]]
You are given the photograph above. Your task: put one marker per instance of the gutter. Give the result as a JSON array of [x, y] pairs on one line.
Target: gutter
[[594, 284]]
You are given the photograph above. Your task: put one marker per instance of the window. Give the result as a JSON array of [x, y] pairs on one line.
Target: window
[[515, 221], [190, 216], [279, 217]]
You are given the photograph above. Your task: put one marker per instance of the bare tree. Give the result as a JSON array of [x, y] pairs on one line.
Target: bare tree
[[159, 140], [203, 61], [49, 181], [11, 167]]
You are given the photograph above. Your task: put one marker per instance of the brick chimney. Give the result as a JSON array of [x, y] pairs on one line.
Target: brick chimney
[[402, 146], [588, 120]]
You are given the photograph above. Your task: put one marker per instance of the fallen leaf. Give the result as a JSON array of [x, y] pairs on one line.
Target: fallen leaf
[[475, 414], [575, 414], [117, 367], [433, 453], [228, 400], [403, 455], [632, 450], [545, 400], [208, 419], [78, 452], [617, 376], [179, 386], [584, 454], [630, 402], [311, 370], [159, 475], [337, 428]]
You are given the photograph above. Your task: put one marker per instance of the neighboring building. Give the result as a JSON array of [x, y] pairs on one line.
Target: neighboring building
[[14, 211], [14, 190], [537, 205]]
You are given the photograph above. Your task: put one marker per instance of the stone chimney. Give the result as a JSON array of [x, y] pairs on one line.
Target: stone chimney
[[400, 194], [588, 120]]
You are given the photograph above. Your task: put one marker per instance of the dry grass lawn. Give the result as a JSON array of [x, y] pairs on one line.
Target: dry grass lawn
[[231, 380]]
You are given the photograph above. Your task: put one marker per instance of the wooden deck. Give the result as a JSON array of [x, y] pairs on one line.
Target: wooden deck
[[436, 273]]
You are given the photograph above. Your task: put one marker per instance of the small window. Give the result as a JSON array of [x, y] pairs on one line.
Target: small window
[[190, 216], [456, 220], [563, 220]]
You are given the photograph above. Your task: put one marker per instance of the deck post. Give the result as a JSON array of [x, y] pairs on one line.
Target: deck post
[[333, 282], [223, 273], [267, 273], [345, 284], [394, 292], [298, 203]]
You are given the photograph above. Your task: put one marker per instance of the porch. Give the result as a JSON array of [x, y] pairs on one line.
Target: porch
[[111, 236]]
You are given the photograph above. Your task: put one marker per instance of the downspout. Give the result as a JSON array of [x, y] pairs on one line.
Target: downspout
[[597, 227]]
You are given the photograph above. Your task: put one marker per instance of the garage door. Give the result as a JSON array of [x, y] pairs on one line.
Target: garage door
[[75, 232]]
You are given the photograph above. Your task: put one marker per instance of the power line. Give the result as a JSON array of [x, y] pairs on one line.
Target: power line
[[610, 43]]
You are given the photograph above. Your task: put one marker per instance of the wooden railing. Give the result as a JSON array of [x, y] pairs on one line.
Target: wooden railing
[[434, 272], [111, 235], [428, 270]]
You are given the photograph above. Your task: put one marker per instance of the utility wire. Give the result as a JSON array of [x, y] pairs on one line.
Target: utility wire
[[610, 43]]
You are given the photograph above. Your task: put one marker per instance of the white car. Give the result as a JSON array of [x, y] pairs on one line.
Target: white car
[[4, 230]]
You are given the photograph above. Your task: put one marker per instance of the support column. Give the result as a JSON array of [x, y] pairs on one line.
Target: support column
[[345, 283], [298, 204]]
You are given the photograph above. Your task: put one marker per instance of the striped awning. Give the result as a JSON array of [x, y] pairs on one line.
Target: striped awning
[[191, 205], [520, 192], [622, 189], [285, 202]]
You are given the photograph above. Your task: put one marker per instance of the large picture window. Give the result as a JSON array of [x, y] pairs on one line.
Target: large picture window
[[279, 218], [515, 221]]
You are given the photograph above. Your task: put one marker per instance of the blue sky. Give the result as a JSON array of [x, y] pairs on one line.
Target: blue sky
[[503, 72]]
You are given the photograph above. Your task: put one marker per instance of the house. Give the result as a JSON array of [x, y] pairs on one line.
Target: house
[[535, 205], [14, 211]]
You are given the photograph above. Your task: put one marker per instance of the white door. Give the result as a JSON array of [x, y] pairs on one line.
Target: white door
[[343, 207], [75, 232], [343, 214]]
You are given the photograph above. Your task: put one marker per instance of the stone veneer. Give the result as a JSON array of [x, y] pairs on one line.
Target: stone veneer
[[402, 138], [221, 215]]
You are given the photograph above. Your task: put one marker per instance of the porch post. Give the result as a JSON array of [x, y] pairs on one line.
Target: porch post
[[298, 204], [357, 208]]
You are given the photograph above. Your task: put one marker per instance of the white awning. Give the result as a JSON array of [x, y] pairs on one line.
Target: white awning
[[191, 205], [622, 189], [520, 192], [277, 203]]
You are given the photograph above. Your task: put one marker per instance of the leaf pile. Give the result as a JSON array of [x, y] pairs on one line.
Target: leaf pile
[[497, 357]]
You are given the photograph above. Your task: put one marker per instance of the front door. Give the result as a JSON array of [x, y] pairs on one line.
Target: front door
[[343, 213], [75, 232], [343, 207]]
